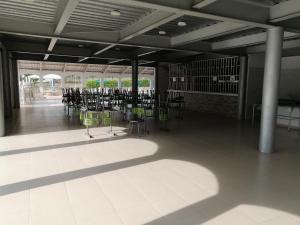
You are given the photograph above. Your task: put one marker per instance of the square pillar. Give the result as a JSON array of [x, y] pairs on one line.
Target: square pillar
[[135, 74]]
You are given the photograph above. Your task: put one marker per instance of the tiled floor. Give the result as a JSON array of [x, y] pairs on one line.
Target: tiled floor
[[206, 170]]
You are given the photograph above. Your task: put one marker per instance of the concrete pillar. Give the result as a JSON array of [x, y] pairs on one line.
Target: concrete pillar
[[242, 87], [15, 82], [270, 89], [135, 77], [6, 84], [11, 80], [2, 113]]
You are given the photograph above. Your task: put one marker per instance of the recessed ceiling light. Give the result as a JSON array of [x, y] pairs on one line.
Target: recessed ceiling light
[[115, 13], [162, 32], [181, 23], [80, 46]]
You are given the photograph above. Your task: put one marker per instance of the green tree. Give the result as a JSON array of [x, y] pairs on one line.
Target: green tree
[[110, 84], [126, 83], [92, 84], [144, 83]]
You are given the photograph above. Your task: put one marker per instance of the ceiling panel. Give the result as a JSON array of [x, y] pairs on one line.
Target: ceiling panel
[[37, 10], [172, 29], [96, 14]]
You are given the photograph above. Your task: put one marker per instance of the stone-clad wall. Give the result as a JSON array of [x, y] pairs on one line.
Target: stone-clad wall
[[216, 104]]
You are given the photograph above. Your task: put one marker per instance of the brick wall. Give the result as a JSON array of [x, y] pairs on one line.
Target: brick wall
[[216, 104]]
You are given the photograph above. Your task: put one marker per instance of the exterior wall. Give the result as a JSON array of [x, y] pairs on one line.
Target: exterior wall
[[215, 104]]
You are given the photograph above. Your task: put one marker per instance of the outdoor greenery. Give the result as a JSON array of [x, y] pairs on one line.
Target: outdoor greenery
[[144, 83], [126, 83], [110, 83], [92, 84]]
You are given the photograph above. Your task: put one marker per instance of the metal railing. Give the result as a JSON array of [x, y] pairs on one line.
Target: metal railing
[[212, 76]]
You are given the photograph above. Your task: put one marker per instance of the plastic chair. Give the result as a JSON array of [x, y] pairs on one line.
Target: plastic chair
[[138, 120]]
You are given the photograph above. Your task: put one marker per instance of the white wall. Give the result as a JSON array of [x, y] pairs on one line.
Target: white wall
[[289, 79]]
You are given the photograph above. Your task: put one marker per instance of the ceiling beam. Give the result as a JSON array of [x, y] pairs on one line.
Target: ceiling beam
[[285, 10], [203, 3], [43, 31], [83, 59], [265, 4], [289, 44], [249, 40], [147, 23], [46, 57], [104, 49], [167, 7], [154, 20], [115, 61], [52, 43], [64, 12], [221, 28]]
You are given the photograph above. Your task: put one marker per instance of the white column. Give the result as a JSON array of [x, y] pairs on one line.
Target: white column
[[270, 89]]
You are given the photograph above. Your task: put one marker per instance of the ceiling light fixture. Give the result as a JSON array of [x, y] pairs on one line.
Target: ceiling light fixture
[[162, 32], [181, 23], [115, 13]]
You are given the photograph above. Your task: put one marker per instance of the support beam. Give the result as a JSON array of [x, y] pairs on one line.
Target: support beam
[[289, 44], [248, 40], [98, 40], [63, 15], [203, 3], [285, 10], [104, 49], [221, 28], [146, 52], [52, 43], [264, 4], [270, 89], [147, 23], [46, 57], [115, 61], [83, 59], [65, 9], [135, 74]]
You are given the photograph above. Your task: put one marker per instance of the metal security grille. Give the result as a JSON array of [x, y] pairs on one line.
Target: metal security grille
[[212, 76]]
